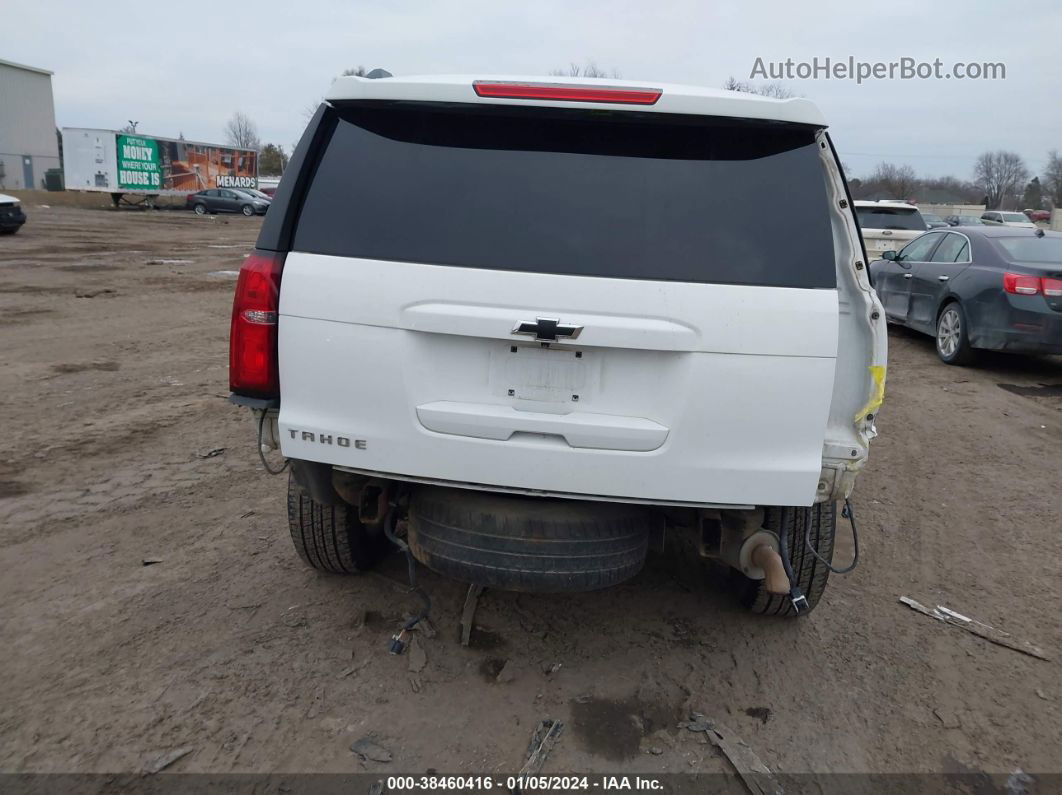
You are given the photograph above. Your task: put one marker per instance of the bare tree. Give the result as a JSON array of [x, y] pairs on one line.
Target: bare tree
[[242, 132], [591, 69], [357, 71], [772, 90], [1052, 180], [1000, 174], [959, 190], [899, 181]]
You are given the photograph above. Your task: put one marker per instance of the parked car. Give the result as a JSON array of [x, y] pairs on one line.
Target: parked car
[[964, 220], [1020, 220], [993, 287], [225, 200], [499, 380], [11, 216], [1038, 215], [255, 193], [887, 225], [933, 221], [268, 185]]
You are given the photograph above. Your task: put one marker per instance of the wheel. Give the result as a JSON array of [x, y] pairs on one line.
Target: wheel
[[200, 209], [10, 231], [329, 537], [953, 343], [247, 210], [811, 574], [529, 544]]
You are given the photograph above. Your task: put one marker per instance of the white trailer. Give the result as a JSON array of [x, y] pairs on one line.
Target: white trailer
[[147, 166]]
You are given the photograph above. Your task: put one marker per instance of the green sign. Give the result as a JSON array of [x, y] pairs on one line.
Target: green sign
[[138, 163]]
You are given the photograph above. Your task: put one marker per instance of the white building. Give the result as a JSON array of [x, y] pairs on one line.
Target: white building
[[28, 144]]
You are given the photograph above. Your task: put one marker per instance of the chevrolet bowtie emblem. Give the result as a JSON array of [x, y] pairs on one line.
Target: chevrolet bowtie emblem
[[547, 329]]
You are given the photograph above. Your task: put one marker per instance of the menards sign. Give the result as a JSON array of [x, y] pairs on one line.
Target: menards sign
[[226, 181]]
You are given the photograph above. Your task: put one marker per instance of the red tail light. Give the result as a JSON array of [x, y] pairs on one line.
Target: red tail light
[[1021, 284], [253, 335], [1052, 288], [566, 93]]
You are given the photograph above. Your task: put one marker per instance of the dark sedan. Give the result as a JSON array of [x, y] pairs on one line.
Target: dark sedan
[[225, 200], [933, 221], [964, 220], [11, 216], [255, 193], [992, 287]]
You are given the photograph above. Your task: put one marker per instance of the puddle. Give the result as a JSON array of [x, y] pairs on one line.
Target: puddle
[[87, 266], [169, 262], [66, 369], [614, 729], [1043, 390], [19, 315], [12, 488], [224, 274]]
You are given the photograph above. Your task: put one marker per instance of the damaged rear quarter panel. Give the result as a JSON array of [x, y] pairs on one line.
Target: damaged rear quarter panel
[[859, 385]]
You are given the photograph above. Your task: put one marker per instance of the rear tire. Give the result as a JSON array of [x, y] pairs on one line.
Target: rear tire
[[330, 538], [529, 544], [200, 209], [811, 574], [953, 339]]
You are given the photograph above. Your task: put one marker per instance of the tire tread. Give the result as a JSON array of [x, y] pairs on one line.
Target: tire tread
[[527, 544], [811, 574], [330, 538]]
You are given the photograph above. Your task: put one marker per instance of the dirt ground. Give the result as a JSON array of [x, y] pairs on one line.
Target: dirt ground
[[119, 447]]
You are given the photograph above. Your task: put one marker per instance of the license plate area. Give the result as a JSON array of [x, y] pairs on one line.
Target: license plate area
[[544, 375]]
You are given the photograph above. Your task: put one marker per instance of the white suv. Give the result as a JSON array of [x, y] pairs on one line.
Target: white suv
[[516, 325], [1020, 220], [888, 225]]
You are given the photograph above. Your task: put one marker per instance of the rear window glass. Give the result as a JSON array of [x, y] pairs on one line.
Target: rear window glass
[[890, 218], [589, 193], [1032, 249]]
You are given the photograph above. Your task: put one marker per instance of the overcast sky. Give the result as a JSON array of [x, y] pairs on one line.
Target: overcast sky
[[186, 66]]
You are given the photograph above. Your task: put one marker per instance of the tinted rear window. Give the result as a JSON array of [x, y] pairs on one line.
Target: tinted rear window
[[584, 193], [1032, 249], [890, 218]]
